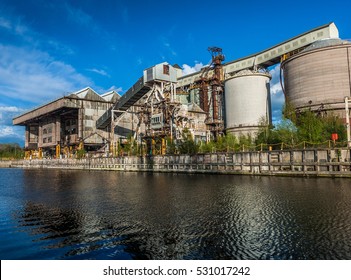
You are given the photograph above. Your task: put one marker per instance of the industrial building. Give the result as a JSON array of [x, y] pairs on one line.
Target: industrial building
[[232, 97], [67, 123]]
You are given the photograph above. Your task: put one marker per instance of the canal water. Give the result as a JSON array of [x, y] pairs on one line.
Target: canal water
[[67, 214]]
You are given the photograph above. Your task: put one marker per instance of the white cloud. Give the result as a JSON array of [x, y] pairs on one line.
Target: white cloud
[[119, 90], [167, 46], [99, 71], [10, 109], [12, 134], [14, 26], [192, 69], [7, 113], [5, 23], [7, 131], [79, 16], [276, 88], [21, 29], [29, 75], [91, 25], [35, 76], [116, 89], [277, 95], [60, 48], [139, 61], [275, 82]]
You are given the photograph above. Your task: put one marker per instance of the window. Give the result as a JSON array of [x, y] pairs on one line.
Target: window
[[166, 69]]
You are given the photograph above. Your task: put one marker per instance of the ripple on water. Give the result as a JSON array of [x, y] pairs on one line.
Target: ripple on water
[[93, 215]]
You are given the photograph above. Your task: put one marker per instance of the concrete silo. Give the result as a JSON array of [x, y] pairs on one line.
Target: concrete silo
[[247, 102], [318, 78]]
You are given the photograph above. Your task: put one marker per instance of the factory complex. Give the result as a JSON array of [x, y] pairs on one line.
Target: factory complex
[[164, 106]]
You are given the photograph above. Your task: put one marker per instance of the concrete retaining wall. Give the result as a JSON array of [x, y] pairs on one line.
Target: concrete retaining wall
[[326, 162]]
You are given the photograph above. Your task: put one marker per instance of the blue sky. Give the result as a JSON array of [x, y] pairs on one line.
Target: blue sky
[[51, 48]]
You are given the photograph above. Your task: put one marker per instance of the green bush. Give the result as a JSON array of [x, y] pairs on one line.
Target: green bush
[[11, 151], [307, 127]]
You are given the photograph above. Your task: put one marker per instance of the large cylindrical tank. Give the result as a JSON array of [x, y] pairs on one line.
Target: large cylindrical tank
[[318, 78], [247, 102]]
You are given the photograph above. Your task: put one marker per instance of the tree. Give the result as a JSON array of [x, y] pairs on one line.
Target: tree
[[171, 146], [333, 124], [289, 112], [310, 127], [207, 147], [226, 143], [81, 153], [187, 144], [11, 151], [246, 141], [286, 132]]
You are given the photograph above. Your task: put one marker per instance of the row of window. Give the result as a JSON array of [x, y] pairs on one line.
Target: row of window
[[72, 130], [155, 120], [47, 130], [47, 139], [33, 139]]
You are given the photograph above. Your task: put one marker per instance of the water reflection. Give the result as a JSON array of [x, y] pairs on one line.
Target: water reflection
[[111, 215]]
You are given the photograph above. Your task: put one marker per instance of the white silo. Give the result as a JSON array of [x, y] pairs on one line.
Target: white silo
[[247, 102]]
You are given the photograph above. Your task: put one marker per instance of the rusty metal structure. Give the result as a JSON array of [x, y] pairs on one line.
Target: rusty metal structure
[[210, 85], [162, 116], [158, 112]]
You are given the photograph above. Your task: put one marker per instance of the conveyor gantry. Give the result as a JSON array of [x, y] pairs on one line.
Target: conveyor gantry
[[137, 91], [272, 55], [158, 73]]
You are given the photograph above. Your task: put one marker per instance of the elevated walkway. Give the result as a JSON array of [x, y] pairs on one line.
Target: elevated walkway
[[137, 91]]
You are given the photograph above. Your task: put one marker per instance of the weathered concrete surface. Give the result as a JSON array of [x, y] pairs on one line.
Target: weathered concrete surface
[[326, 162], [5, 163]]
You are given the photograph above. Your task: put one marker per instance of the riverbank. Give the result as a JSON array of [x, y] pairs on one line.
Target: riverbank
[[314, 162]]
